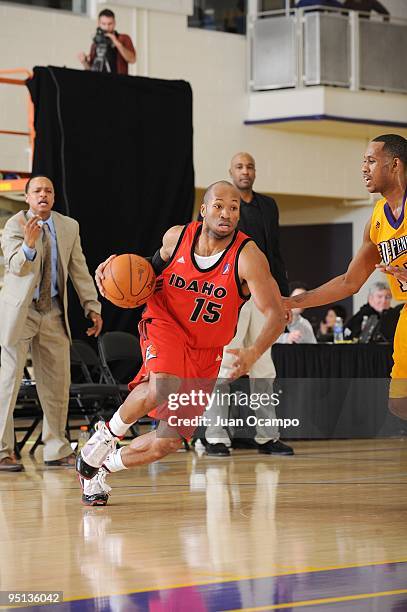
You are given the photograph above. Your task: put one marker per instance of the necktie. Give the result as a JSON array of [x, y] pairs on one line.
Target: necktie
[[43, 304]]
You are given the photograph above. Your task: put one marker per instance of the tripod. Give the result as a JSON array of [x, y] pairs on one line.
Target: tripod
[[101, 63]]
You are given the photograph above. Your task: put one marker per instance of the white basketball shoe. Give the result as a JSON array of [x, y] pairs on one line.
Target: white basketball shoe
[[95, 492], [95, 451]]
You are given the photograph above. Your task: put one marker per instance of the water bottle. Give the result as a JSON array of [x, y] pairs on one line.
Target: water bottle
[[364, 321], [83, 437], [338, 330]]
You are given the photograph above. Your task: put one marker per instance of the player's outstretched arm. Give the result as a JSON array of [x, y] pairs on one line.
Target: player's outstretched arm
[[340, 287], [255, 276], [170, 240]]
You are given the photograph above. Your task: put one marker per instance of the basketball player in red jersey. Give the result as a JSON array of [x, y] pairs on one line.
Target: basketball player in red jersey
[[384, 247], [206, 271]]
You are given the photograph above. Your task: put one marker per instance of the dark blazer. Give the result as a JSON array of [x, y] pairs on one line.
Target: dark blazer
[[269, 211]]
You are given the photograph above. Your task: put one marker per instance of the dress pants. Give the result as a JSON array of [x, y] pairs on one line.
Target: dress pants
[[46, 333], [262, 376]]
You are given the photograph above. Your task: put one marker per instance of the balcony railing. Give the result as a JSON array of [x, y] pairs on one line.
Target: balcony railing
[[320, 46]]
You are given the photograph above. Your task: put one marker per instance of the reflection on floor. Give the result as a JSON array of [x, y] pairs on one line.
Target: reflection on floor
[[325, 528]]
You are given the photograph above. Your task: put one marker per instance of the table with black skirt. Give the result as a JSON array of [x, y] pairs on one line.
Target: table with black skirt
[[335, 390]]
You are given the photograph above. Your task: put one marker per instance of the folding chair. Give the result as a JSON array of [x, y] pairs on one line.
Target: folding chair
[[121, 358], [27, 408], [90, 397]]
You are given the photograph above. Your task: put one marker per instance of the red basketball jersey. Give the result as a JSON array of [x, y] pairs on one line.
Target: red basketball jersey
[[204, 303]]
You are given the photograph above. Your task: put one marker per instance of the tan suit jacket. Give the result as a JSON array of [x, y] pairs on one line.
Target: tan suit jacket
[[23, 276]]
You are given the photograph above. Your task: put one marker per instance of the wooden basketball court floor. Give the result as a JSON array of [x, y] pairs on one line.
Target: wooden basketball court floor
[[323, 530]]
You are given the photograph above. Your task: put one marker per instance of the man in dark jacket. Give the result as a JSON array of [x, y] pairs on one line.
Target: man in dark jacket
[[259, 216], [259, 220], [378, 301]]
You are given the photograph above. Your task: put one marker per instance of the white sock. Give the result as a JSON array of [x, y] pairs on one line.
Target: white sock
[[114, 461], [117, 426]]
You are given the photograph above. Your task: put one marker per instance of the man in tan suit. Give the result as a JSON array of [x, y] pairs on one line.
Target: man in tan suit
[[41, 249]]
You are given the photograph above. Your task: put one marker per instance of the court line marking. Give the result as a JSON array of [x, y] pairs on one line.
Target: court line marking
[[331, 457], [334, 454], [154, 489], [235, 579], [330, 451], [315, 602]]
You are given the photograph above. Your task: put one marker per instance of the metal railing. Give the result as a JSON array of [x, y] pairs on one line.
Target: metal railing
[[297, 48], [17, 185]]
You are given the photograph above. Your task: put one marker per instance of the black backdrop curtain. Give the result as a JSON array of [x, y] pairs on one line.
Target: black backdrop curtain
[[119, 151]]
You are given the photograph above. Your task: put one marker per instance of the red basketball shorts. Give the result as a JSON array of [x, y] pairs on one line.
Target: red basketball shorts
[[165, 350]]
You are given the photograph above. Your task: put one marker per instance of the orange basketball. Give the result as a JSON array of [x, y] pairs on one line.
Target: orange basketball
[[129, 281]]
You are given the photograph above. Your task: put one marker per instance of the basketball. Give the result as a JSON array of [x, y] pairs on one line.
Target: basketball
[[129, 281]]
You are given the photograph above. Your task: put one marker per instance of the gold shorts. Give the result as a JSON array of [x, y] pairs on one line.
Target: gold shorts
[[398, 385]]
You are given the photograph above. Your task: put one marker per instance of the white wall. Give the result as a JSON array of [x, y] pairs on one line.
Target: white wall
[[311, 211], [215, 65], [396, 8], [310, 167], [183, 7]]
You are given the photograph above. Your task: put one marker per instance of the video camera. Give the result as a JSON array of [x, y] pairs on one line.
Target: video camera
[[100, 38]]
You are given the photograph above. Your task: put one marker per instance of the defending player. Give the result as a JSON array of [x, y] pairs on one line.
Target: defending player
[[384, 171], [208, 270]]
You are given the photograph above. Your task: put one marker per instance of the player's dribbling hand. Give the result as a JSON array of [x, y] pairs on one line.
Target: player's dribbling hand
[[99, 274], [397, 271], [244, 359]]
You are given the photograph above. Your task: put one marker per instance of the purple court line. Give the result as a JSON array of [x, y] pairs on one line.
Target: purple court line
[[260, 592]]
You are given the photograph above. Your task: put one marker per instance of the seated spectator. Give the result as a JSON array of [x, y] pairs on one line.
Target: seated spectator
[[326, 327], [307, 3], [378, 300], [366, 6], [299, 329]]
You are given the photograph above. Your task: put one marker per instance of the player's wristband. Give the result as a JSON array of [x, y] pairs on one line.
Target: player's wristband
[[157, 262]]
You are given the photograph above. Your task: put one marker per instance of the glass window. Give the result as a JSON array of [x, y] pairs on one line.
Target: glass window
[[74, 6], [272, 5], [221, 15]]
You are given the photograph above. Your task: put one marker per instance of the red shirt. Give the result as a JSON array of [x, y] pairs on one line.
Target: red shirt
[[204, 303]]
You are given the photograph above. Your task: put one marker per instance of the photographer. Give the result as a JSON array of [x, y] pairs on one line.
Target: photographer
[[110, 51]]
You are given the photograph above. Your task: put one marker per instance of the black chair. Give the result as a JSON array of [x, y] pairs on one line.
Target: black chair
[[91, 395], [91, 398], [27, 409], [121, 358]]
